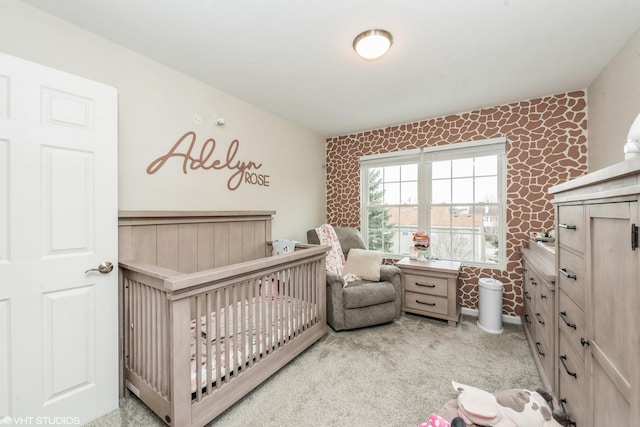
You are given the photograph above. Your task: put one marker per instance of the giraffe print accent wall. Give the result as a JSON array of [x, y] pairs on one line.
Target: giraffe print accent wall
[[546, 145]]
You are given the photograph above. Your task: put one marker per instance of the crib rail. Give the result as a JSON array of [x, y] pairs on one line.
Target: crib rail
[[188, 337]]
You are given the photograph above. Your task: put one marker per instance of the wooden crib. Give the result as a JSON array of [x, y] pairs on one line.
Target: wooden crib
[[207, 313]]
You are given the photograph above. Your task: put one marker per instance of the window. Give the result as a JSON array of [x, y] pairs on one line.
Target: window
[[457, 193]]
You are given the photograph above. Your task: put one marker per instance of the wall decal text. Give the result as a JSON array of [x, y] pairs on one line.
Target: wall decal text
[[192, 160]]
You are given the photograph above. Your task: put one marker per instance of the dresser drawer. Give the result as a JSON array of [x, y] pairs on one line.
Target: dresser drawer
[[545, 354], [571, 227], [571, 323], [528, 318], [426, 303], [543, 323], [572, 382], [529, 294], [426, 285], [544, 298], [571, 276]]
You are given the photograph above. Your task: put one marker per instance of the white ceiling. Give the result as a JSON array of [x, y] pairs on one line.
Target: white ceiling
[[295, 59]]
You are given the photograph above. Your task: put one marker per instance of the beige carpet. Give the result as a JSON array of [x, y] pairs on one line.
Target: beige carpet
[[389, 375]]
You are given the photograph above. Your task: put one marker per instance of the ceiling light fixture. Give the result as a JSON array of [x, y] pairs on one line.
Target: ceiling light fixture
[[372, 44]]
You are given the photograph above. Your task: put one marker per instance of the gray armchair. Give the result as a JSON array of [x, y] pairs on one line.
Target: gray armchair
[[362, 303]]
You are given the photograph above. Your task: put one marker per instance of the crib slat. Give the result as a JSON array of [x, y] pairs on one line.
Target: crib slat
[[208, 312], [164, 343], [243, 328], [153, 332], [198, 352], [250, 320], [218, 346]]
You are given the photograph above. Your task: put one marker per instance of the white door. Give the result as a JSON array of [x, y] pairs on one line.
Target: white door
[[58, 218]]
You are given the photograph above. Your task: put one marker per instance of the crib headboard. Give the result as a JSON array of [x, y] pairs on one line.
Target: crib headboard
[[190, 241]]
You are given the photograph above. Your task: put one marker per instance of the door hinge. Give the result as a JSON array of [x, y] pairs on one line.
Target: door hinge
[[634, 237]]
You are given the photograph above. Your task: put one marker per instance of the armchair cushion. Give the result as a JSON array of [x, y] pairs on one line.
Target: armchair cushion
[[365, 294], [364, 263]]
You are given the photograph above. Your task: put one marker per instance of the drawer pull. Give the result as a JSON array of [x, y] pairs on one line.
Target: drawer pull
[[526, 295], [567, 421], [564, 272], [563, 316], [584, 342], [563, 359], [533, 282], [539, 319], [538, 349], [526, 319], [428, 285], [568, 227], [430, 304], [543, 296]]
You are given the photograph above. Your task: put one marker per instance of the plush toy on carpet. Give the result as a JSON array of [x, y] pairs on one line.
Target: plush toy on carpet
[[504, 408], [437, 421]]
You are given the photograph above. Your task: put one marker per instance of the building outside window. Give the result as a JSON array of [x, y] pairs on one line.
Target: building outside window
[[457, 193]]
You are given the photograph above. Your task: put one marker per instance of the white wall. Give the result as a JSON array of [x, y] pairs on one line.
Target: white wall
[[156, 107], [613, 104]]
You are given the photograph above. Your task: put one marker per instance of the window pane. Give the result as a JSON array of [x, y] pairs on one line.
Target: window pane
[[486, 190], [440, 244], [487, 165], [409, 192], [462, 189], [462, 247], [392, 242], [491, 219], [392, 193], [441, 169], [406, 240], [408, 218], [462, 167], [375, 239], [440, 217], [391, 173], [377, 217], [409, 172], [441, 191], [375, 186], [491, 246]]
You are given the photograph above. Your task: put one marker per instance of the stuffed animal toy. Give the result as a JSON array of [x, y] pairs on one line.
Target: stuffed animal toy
[[436, 420], [504, 408]]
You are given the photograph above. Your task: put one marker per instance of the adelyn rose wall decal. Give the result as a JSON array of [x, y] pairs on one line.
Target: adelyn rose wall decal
[[184, 147]]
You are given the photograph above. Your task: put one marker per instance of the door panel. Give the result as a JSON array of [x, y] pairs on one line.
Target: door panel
[[68, 183], [5, 363], [613, 291], [69, 341], [58, 219], [4, 199]]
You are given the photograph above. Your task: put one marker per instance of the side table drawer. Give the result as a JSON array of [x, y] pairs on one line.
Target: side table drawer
[[425, 284], [427, 303]]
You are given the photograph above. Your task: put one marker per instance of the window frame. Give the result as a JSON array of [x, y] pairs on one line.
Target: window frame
[[424, 158]]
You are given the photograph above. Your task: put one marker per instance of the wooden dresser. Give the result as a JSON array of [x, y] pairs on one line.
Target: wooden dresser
[[598, 298], [539, 318], [430, 288]]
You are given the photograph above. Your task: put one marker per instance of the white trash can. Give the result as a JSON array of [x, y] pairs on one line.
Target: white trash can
[[490, 305]]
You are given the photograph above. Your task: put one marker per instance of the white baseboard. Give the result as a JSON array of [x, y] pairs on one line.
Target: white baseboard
[[515, 320]]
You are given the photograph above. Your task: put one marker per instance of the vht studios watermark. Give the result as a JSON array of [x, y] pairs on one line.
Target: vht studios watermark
[[41, 421]]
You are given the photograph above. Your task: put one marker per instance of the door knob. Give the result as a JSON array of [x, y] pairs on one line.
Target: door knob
[[103, 268]]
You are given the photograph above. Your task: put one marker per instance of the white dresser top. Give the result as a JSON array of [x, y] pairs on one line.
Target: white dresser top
[[616, 180]]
